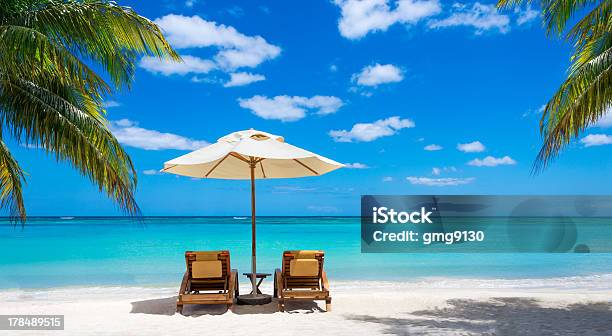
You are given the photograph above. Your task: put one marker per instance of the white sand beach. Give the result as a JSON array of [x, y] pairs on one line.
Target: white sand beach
[[563, 306]]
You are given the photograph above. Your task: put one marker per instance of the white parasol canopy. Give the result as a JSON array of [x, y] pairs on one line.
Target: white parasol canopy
[[230, 157], [251, 155]]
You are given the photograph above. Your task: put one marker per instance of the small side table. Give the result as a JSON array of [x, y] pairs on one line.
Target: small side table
[[260, 276]]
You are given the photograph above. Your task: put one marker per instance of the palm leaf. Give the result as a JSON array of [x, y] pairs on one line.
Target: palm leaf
[[11, 177], [30, 54], [582, 99], [101, 31], [36, 115], [586, 95], [555, 13], [49, 96], [592, 35]]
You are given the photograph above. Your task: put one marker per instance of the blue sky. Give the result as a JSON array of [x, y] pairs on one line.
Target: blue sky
[[370, 83]]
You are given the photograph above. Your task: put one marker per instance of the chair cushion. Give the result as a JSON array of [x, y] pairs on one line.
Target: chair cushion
[[304, 267], [306, 254], [206, 269], [205, 256]]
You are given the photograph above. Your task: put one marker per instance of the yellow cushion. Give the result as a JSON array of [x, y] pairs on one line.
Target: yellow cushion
[[204, 256], [306, 254], [304, 267], [206, 269]]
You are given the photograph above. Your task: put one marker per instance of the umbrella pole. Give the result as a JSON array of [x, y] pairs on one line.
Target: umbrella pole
[[253, 249]]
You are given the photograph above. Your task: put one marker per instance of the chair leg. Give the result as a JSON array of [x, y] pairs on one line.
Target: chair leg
[[179, 308], [328, 304], [281, 305]]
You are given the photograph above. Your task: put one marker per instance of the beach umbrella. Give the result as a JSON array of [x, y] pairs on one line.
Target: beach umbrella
[[250, 155]]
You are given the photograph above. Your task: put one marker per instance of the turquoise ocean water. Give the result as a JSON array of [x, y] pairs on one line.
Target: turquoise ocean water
[[50, 252]]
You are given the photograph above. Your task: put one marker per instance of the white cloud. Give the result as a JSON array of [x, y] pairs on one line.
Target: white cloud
[[111, 103], [358, 18], [130, 134], [471, 147], [373, 75], [479, 16], [190, 64], [387, 179], [537, 111], [371, 131], [439, 182], [123, 123], [596, 140], [526, 15], [243, 78], [290, 108], [491, 161], [356, 165], [199, 79], [31, 146], [360, 91], [542, 108], [437, 171], [235, 49], [606, 120], [151, 172], [432, 147], [235, 11]]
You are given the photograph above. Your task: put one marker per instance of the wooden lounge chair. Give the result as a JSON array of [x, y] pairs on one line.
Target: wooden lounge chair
[[302, 278], [208, 280]]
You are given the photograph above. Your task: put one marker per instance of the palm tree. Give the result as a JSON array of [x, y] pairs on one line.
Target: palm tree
[[50, 96], [586, 94]]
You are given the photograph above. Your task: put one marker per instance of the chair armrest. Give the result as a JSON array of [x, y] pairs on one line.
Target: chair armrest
[[184, 283], [278, 281], [324, 281], [232, 282]]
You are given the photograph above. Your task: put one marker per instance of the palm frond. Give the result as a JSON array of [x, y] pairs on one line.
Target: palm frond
[[596, 22], [49, 95], [555, 13], [586, 95], [53, 120], [30, 54], [582, 99], [11, 178], [592, 35], [101, 31], [505, 4]]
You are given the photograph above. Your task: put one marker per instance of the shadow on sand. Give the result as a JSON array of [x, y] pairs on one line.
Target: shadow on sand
[[167, 306], [500, 316]]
